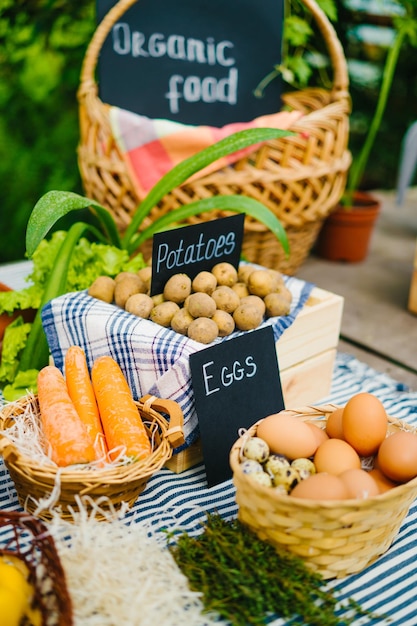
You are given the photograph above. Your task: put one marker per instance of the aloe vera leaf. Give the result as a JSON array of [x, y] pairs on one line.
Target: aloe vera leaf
[[56, 204], [238, 204], [35, 354], [181, 172]]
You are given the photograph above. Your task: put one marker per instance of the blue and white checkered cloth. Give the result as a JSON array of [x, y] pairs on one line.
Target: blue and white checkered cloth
[[154, 359]]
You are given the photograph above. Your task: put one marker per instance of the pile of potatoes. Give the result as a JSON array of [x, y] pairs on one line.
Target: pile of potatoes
[[211, 305]]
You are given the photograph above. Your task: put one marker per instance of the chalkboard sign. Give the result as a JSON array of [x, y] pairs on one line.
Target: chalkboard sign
[[192, 249], [192, 61], [235, 384]]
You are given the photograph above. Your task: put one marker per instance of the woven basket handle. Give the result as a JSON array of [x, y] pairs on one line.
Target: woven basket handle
[[174, 433], [335, 49]]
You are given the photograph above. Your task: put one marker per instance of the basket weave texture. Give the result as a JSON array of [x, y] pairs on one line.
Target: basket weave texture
[[105, 487], [335, 538], [300, 178], [33, 544]]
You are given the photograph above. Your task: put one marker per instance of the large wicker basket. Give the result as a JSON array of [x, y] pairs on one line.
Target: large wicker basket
[[300, 178], [107, 487], [335, 538], [28, 539]]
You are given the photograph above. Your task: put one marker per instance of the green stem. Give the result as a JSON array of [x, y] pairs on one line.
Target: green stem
[[358, 167], [36, 351]]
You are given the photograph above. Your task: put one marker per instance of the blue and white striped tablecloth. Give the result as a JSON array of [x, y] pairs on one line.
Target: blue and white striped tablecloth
[[388, 587]]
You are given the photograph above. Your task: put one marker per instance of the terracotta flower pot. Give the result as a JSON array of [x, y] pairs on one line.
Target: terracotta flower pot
[[346, 233]]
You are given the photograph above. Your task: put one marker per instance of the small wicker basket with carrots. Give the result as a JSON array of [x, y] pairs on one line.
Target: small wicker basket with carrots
[[107, 486]]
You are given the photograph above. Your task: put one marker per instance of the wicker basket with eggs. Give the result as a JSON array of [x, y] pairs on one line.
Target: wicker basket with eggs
[[330, 484]]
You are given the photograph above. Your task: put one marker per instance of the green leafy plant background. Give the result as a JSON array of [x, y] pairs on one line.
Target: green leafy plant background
[[42, 45]]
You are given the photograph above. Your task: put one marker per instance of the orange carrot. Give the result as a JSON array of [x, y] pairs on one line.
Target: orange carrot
[[81, 392], [120, 417], [65, 433]]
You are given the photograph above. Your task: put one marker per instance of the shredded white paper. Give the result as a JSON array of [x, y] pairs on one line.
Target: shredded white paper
[[122, 573], [26, 434]]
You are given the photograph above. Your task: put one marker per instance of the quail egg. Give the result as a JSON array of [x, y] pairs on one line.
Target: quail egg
[[256, 448], [250, 466], [286, 476], [304, 464], [276, 462], [262, 478]]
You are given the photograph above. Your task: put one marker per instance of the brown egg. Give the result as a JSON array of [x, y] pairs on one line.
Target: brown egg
[[319, 433], [321, 487], [359, 484], [364, 423], [334, 424], [335, 456], [287, 435], [383, 482], [397, 456]]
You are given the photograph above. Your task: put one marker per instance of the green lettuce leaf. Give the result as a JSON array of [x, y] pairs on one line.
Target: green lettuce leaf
[[27, 298], [89, 261], [22, 384], [14, 341], [94, 259]]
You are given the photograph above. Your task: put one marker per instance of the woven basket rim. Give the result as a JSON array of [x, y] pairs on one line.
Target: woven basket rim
[[319, 413], [113, 475]]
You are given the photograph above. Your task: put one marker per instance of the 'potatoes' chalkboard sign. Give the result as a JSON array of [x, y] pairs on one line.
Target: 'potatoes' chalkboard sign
[[192, 61], [193, 249]]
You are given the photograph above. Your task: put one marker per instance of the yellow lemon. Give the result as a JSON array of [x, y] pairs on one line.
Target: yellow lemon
[[13, 580], [12, 577], [15, 561], [12, 609]]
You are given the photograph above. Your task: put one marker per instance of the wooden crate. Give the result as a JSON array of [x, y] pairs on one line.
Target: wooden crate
[[306, 353]]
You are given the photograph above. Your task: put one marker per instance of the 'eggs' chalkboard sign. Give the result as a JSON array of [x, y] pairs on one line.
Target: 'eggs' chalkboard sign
[[235, 384], [192, 61]]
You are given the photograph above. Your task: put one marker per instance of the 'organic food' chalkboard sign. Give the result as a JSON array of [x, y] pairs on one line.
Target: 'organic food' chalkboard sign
[[192, 61], [235, 384]]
